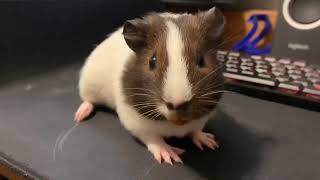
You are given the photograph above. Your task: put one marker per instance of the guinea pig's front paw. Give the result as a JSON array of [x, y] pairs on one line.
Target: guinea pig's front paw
[[200, 138], [162, 150]]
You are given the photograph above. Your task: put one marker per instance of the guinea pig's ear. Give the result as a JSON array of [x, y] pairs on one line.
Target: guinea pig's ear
[[135, 34], [214, 23]]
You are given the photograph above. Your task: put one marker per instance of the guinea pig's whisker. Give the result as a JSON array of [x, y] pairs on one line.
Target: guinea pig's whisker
[[209, 101], [214, 92], [151, 114], [205, 98], [209, 88], [144, 107], [216, 103], [197, 85], [240, 32], [148, 112], [206, 110], [213, 71], [155, 116], [214, 86], [139, 94], [158, 115], [228, 39], [148, 115], [141, 104], [157, 91], [141, 89]]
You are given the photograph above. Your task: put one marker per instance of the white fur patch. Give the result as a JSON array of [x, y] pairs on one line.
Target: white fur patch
[[169, 15], [177, 87]]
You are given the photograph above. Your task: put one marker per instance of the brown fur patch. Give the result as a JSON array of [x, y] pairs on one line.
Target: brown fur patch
[[143, 86]]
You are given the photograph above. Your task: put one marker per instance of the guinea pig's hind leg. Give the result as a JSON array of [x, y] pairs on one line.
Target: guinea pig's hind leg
[[200, 138], [84, 110], [161, 150]]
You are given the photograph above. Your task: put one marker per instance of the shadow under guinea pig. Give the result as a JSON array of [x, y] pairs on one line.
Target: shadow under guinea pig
[[238, 156]]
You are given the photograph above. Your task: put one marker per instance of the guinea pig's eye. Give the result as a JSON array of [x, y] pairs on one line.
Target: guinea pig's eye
[[200, 61], [153, 62]]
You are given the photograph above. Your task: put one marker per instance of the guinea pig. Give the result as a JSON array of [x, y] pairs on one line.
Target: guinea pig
[[160, 74]]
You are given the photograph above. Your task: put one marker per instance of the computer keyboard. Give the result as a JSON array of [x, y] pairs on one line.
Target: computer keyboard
[[283, 80]]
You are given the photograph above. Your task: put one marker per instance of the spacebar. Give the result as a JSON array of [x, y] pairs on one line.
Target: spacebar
[[250, 79]]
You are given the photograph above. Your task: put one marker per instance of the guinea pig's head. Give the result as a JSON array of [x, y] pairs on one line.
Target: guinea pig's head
[[173, 74]]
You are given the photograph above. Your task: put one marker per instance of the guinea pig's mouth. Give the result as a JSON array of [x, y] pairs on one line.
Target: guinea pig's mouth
[[178, 120], [172, 116]]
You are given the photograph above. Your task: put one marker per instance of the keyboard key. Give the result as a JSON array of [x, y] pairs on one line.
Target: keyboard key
[[236, 54], [256, 57], [244, 59], [279, 73], [232, 70], [246, 68], [291, 67], [290, 86], [221, 58], [262, 81], [300, 63], [247, 72], [280, 68], [295, 72], [232, 66], [232, 58], [311, 90], [261, 62], [232, 62], [247, 64], [295, 76], [284, 61], [311, 68], [261, 70], [260, 66], [283, 78], [317, 85], [308, 69], [302, 82], [270, 59], [313, 75], [220, 52], [276, 64], [265, 75], [313, 80]]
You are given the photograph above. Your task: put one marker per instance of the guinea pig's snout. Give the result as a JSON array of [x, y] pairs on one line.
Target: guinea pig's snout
[[180, 106]]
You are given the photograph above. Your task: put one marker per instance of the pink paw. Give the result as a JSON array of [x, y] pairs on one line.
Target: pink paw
[[166, 152], [207, 139], [83, 111]]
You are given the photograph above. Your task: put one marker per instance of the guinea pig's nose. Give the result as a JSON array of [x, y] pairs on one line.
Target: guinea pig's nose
[[178, 106]]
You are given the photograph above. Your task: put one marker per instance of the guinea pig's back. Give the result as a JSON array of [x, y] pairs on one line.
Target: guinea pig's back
[[100, 75]]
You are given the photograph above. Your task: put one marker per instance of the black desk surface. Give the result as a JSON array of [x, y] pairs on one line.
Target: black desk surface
[[259, 140]]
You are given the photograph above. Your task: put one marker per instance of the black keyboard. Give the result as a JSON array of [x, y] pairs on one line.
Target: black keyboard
[[283, 80]]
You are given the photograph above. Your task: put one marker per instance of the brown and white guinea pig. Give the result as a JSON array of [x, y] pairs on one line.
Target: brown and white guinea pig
[[160, 75]]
